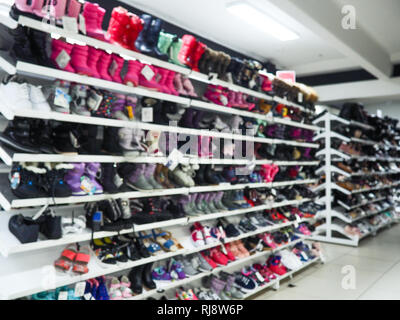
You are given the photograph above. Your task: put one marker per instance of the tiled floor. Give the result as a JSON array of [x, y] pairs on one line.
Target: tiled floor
[[376, 266]]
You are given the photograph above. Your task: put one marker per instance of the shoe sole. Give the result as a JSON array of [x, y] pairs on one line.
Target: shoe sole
[[136, 188], [15, 145]]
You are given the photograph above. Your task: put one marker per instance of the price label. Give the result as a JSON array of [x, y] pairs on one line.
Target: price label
[[147, 114], [147, 73], [80, 289], [174, 159], [88, 296], [63, 295], [62, 99], [300, 97], [113, 67], [63, 59], [82, 24], [70, 24]]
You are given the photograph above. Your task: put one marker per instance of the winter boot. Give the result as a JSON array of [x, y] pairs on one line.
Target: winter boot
[[64, 140], [150, 82], [103, 65], [132, 76], [109, 171], [188, 86], [21, 49], [141, 42], [133, 175], [91, 171], [79, 58], [136, 278], [178, 84], [134, 31], [116, 66], [74, 9], [148, 282], [18, 135], [59, 55], [54, 180], [152, 39], [94, 15], [186, 54], [111, 141], [22, 7], [93, 58], [25, 181], [41, 136], [198, 53], [73, 179], [39, 41], [149, 176], [164, 42]]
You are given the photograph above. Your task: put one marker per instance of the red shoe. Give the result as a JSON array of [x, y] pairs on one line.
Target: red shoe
[[210, 261], [218, 257], [197, 54], [275, 265], [188, 48], [229, 253], [118, 27]]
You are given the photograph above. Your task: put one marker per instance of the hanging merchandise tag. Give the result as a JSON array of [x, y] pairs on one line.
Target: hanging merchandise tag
[[259, 276], [130, 112], [223, 249], [80, 289], [298, 219], [15, 180], [63, 295], [223, 99], [87, 186], [63, 59], [158, 78], [300, 97], [147, 114], [296, 224], [118, 181], [62, 99], [70, 24], [212, 76], [174, 275], [40, 212], [252, 83], [94, 100], [304, 256], [113, 67], [147, 73], [174, 159], [82, 24], [88, 296]]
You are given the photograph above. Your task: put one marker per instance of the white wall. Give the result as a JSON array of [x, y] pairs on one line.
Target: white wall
[[391, 109]]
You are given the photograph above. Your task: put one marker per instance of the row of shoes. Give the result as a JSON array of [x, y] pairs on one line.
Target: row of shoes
[[369, 209], [366, 226], [367, 183], [229, 286], [369, 167], [146, 36], [360, 199]]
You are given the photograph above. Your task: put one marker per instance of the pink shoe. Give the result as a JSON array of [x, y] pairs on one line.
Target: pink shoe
[[117, 63], [132, 76], [103, 65], [265, 172], [187, 85], [161, 78], [169, 82], [50, 8], [178, 84], [93, 59], [94, 15], [22, 5], [57, 47], [74, 9], [79, 58], [217, 95], [274, 171]]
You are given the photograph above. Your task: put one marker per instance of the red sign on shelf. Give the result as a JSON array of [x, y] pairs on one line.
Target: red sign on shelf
[[289, 76]]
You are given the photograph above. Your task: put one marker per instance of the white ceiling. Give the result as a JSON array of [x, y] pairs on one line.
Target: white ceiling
[[308, 55]]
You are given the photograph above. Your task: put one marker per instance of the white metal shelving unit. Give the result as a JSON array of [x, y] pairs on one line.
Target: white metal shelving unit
[[30, 279], [329, 168]]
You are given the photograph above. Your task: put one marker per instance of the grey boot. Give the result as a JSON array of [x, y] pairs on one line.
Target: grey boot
[[218, 286], [125, 208], [133, 175], [230, 289], [218, 202], [211, 200], [149, 176]]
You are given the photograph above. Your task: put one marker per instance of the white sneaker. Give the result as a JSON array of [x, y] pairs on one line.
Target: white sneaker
[[39, 102], [15, 95]]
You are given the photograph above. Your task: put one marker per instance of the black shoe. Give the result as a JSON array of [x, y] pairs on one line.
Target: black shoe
[[21, 50], [109, 171], [147, 40], [142, 212], [26, 182], [136, 279], [111, 141], [64, 140], [41, 136], [147, 278], [53, 182], [39, 41], [18, 136], [141, 248]]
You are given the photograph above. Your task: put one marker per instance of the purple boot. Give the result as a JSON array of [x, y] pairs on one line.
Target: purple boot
[[91, 172], [73, 179]]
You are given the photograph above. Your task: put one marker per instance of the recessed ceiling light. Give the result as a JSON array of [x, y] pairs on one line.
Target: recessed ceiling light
[[258, 19]]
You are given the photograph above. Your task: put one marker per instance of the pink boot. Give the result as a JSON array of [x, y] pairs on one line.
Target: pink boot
[[132, 76], [187, 85], [178, 84], [265, 172], [74, 9], [93, 59], [161, 78], [57, 47], [22, 5], [79, 58], [117, 63], [94, 15], [170, 83], [150, 84], [102, 66]]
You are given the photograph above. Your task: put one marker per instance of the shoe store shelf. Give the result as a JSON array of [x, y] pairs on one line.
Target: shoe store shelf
[[31, 69], [9, 201], [164, 286], [46, 277], [361, 125], [363, 141], [9, 244], [129, 54], [373, 173], [280, 278], [7, 66], [376, 188], [28, 282], [9, 157]]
